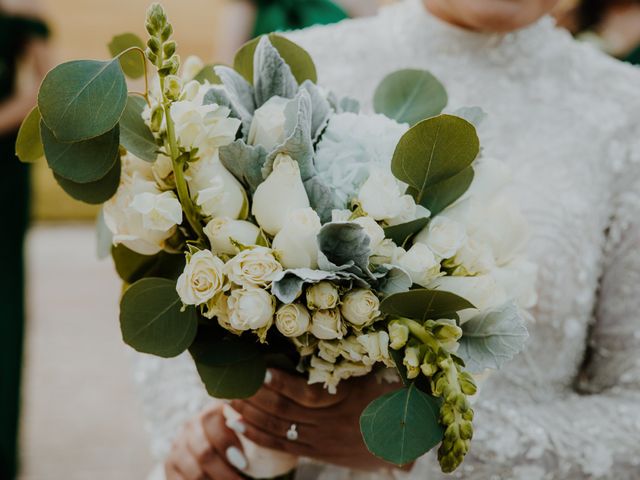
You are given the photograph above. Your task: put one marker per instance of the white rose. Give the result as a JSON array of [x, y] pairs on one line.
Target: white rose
[[473, 258], [375, 232], [215, 190], [360, 307], [443, 236], [253, 267], [281, 193], [420, 263], [296, 243], [221, 231], [218, 307], [251, 309], [327, 324], [293, 320], [160, 211], [202, 278], [482, 291], [376, 345], [322, 296], [382, 197], [267, 127]]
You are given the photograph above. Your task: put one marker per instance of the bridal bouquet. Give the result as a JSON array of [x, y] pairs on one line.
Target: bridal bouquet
[[259, 220]]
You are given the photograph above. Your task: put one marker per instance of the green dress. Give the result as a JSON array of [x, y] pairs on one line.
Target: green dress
[[279, 15], [15, 32]]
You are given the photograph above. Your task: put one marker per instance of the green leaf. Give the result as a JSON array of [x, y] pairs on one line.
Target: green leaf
[[423, 304], [81, 162], [208, 74], [93, 193], [132, 62], [434, 150], [82, 99], [402, 232], [151, 319], [297, 58], [135, 135], [401, 426], [441, 195], [229, 368], [132, 266], [492, 338], [409, 96], [29, 145]]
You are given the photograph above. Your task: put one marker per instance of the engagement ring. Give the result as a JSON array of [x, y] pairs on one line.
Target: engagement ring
[[292, 433]]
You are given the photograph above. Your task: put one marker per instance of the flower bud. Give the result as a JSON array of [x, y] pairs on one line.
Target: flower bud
[[166, 33], [446, 330], [411, 361], [360, 307], [169, 48], [267, 127], [327, 324], [292, 320], [154, 45], [172, 87], [322, 296], [223, 232], [157, 116], [296, 243], [398, 334]]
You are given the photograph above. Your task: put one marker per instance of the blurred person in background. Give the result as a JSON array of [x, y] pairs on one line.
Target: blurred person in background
[[613, 25], [246, 19], [23, 64]]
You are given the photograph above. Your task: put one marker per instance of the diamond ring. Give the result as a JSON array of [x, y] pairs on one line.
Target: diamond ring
[[292, 433]]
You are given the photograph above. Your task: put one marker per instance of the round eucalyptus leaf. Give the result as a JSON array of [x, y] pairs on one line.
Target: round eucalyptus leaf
[[28, 145], [81, 162], [424, 304], [410, 96], [401, 426], [295, 56], [132, 62], [83, 99], [135, 134], [151, 319], [132, 266], [93, 193]]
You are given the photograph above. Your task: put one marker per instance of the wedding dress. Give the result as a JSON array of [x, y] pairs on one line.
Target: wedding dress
[[565, 117]]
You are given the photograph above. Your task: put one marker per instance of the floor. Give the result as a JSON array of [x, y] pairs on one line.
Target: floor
[[81, 417]]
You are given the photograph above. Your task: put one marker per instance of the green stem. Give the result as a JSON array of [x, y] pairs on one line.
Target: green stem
[[418, 331], [144, 67]]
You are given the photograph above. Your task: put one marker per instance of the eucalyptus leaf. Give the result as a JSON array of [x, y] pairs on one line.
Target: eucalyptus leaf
[[28, 144], [93, 193], [133, 62], [135, 134], [434, 150], [402, 232], [83, 99], [274, 76], [409, 96], [208, 74], [295, 56], [441, 195], [152, 320], [473, 115], [132, 266], [401, 426], [492, 338], [423, 304], [245, 162], [81, 162], [216, 352]]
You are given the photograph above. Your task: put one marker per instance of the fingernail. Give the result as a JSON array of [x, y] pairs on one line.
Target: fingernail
[[236, 458], [268, 377], [236, 425]]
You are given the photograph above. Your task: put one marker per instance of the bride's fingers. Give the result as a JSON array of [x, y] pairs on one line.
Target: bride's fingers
[[187, 465], [272, 424], [228, 456], [274, 403], [277, 442], [297, 389]]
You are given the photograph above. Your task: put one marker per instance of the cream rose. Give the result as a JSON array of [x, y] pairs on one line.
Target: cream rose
[[221, 231], [443, 236], [281, 193], [160, 211], [267, 126], [253, 267], [327, 324], [250, 309], [360, 307], [383, 199], [202, 278], [215, 190], [296, 243], [293, 320], [420, 263], [322, 296]]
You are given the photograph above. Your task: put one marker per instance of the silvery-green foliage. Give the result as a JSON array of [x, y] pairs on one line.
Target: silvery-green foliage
[[392, 279], [321, 197], [492, 338], [320, 107], [220, 96], [288, 285], [344, 246], [343, 104], [272, 75], [240, 92], [245, 162], [473, 115]]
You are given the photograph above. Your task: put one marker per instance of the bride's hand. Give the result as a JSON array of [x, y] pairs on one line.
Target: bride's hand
[[205, 450], [327, 426]]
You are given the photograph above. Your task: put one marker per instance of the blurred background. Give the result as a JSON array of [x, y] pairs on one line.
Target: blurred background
[[80, 416]]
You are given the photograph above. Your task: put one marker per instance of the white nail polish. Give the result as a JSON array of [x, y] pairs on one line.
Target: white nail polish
[[268, 377], [236, 425], [236, 458]]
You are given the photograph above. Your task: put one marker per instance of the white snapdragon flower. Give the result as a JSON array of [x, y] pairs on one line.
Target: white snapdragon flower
[[327, 324], [376, 344], [296, 243], [251, 309], [443, 236], [281, 193], [360, 307], [268, 124], [162, 170], [398, 334], [223, 231], [420, 263], [321, 371], [322, 296], [329, 350], [191, 67], [160, 211], [351, 349], [202, 279], [253, 267], [345, 370], [383, 198], [473, 258], [293, 320]]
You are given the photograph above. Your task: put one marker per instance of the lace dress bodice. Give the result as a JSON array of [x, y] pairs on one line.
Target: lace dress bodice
[[565, 117]]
